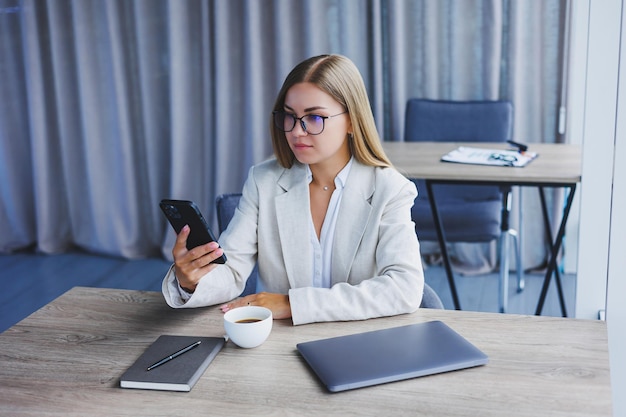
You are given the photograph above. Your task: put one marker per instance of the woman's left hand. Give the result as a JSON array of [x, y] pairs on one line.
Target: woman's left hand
[[278, 303]]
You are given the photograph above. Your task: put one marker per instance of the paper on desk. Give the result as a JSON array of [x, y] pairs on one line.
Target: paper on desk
[[481, 156]]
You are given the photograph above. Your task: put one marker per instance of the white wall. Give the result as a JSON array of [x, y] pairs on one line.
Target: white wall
[[615, 306], [600, 100]]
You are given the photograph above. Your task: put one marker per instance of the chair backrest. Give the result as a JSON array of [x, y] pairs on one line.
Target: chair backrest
[[430, 299], [226, 205], [459, 121]]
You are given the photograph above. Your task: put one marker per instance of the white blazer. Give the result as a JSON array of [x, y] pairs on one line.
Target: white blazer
[[376, 263]]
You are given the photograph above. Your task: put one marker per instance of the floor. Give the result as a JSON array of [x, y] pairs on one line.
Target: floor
[[32, 280]]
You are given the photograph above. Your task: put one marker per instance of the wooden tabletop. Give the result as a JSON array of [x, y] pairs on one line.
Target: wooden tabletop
[[66, 360], [556, 163]]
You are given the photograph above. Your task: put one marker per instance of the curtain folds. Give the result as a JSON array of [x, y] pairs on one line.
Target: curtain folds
[[109, 106]]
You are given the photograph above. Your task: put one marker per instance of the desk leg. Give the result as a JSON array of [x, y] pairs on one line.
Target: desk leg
[[555, 246], [442, 245]]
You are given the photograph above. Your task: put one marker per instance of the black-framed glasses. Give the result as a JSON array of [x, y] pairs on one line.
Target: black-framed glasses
[[313, 124], [507, 159]]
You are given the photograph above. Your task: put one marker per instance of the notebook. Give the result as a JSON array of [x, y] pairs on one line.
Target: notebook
[[496, 157], [178, 374], [381, 356]]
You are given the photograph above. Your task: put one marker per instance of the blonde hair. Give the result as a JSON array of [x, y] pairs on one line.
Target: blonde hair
[[339, 77]]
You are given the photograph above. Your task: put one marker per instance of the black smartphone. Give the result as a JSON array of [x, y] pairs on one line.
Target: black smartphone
[[182, 212]]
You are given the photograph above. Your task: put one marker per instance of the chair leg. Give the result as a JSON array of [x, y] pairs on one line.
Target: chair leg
[[518, 261], [504, 267], [504, 271], [520, 247]]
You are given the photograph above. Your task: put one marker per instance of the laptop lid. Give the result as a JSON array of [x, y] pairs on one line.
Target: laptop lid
[[380, 356]]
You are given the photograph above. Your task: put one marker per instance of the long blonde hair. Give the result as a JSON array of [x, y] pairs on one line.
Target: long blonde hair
[[339, 77]]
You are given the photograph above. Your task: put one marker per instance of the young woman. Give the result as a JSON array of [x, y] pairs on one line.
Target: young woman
[[328, 219]]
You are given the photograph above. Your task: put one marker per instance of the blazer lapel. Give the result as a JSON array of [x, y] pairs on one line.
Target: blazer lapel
[[352, 219], [292, 215]]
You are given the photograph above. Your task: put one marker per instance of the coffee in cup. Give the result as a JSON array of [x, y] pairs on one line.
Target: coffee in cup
[[248, 326]]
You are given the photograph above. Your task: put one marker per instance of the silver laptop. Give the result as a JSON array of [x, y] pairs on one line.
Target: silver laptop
[[381, 356]]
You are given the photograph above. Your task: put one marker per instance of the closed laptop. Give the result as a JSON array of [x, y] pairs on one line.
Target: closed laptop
[[387, 355]]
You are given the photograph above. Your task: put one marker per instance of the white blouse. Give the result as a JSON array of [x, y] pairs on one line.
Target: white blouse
[[323, 248]]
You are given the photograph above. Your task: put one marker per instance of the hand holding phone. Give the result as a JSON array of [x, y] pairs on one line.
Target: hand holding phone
[[182, 212]]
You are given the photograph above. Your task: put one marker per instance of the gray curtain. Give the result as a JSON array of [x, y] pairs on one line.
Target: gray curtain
[[109, 106]]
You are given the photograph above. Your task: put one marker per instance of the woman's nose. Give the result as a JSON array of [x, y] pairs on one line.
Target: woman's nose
[[300, 128]]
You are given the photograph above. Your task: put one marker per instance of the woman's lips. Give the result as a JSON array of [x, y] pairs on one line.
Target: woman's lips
[[301, 146]]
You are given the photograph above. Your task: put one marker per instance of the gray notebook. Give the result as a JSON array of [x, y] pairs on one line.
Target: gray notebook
[[178, 374], [388, 355]]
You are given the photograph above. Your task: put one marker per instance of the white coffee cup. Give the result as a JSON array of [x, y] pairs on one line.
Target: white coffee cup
[[248, 326]]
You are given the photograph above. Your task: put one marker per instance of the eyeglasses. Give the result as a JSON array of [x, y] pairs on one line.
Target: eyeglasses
[[313, 124], [507, 159]]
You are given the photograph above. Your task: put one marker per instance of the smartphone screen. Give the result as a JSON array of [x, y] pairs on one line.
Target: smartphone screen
[[182, 212]]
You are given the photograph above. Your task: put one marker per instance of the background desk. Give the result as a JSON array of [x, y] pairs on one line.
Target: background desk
[[557, 165], [66, 360]]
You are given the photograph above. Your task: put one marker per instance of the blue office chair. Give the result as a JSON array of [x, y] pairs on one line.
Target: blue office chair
[[468, 213], [430, 299], [226, 205]]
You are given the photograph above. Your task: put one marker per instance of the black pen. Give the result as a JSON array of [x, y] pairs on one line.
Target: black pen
[[521, 148], [174, 355]]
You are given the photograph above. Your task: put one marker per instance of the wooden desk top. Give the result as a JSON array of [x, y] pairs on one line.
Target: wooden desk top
[[66, 360], [556, 163]]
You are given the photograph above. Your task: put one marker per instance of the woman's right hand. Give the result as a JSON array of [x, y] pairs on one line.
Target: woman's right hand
[[191, 265]]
